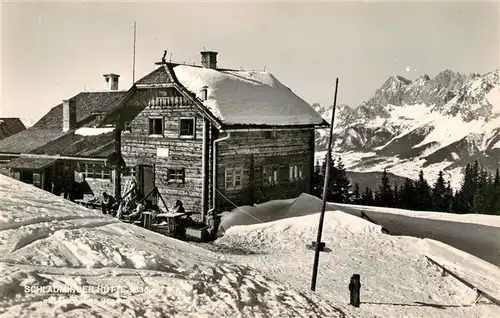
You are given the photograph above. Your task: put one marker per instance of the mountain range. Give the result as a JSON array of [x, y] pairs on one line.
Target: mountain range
[[433, 124]]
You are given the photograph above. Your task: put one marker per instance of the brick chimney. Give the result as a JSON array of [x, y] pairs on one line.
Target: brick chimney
[[69, 114], [209, 59], [111, 81]]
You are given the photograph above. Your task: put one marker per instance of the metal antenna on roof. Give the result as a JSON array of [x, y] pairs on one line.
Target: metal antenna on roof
[[170, 57], [265, 66], [133, 58]]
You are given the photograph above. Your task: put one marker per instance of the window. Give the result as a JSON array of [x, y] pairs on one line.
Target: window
[[234, 178], [270, 175], [186, 128], [175, 175], [96, 171], [296, 172], [37, 180], [156, 126], [127, 127], [129, 172]]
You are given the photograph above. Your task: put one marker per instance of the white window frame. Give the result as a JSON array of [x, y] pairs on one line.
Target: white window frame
[[193, 120], [162, 126], [233, 178], [296, 172], [270, 175]]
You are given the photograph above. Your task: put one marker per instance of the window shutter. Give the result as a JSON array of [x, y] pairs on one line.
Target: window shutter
[[183, 175]]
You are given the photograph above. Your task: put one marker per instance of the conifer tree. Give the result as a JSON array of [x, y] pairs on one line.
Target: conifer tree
[[407, 194], [438, 194], [396, 199], [385, 196], [482, 200], [423, 194], [356, 195], [448, 198], [341, 183], [464, 200], [367, 197]]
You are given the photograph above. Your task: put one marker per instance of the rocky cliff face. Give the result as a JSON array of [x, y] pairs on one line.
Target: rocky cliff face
[[430, 123]]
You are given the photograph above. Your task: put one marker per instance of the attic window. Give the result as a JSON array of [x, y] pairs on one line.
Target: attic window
[[127, 127]]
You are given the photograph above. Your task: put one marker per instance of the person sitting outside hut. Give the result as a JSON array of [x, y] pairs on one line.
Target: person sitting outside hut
[[136, 215], [178, 208], [108, 203]]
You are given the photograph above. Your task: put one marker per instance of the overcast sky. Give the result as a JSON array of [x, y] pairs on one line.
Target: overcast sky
[[52, 51]]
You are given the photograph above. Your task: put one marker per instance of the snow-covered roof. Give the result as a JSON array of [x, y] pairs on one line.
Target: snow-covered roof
[[247, 97], [93, 131]]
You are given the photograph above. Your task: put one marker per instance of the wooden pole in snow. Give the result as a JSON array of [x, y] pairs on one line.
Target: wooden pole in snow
[[325, 189]]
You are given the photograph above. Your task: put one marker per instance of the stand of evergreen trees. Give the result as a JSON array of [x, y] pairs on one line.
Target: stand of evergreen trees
[[479, 191]]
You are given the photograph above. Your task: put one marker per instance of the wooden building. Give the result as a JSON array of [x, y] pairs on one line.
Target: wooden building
[[217, 138], [69, 138], [10, 126]]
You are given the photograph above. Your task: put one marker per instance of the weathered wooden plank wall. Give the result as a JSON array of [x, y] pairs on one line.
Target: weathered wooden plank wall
[[252, 151], [140, 148]]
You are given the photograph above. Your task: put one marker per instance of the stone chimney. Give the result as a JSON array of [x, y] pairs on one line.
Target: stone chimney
[[69, 114], [209, 59], [111, 81]]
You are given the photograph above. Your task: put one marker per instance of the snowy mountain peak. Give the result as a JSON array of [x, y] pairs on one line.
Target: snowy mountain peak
[[440, 123]]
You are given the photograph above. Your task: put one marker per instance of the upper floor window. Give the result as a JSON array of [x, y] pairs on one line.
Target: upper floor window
[[296, 172], [234, 178], [270, 175], [156, 125], [186, 129]]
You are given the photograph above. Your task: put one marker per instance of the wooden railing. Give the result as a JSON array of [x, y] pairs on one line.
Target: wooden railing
[[167, 101]]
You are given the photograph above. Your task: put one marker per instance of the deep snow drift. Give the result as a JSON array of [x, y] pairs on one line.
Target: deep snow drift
[[397, 280], [60, 259]]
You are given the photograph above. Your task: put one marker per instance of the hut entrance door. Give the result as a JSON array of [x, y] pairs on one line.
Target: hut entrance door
[[146, 180]]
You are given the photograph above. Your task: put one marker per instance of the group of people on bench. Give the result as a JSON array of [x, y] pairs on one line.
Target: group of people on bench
[[132, 207]]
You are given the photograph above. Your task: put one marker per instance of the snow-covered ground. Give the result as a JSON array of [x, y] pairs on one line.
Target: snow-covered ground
[[397, 279], [60, 259], [490, 220]]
